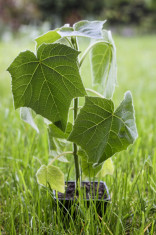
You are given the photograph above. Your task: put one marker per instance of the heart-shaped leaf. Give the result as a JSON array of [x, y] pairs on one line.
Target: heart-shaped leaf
[[47, 83], [52, 175], [101, 131]]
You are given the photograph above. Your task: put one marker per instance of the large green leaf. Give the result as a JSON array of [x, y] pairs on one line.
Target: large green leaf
[[103, 61], [85, 28], [49, 37], [47, 83], [101, 131], [52, 175]]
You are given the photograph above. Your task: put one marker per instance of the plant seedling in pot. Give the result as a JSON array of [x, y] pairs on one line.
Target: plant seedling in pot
[[49, 82]]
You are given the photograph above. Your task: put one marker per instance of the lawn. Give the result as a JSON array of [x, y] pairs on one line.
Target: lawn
[[27, 208]]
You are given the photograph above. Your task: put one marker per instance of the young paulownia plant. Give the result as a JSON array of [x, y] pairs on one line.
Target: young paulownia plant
[[49, 83]]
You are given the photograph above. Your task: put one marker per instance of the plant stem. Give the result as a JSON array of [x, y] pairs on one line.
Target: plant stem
[[76, 160], [94, 92], [88, 50], [72, 108], [68, 41], [69, 152]]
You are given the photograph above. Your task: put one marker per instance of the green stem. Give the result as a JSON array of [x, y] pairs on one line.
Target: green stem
[[88, 50], [58, 156], [68, 41], [94, 92], [74, 43], [76, 160], [72, 108]]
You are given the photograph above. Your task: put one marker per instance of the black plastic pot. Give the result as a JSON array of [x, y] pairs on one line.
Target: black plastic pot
[[91, 193]]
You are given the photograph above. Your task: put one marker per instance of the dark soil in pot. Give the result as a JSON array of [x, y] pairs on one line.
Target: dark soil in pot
[[91, 192]]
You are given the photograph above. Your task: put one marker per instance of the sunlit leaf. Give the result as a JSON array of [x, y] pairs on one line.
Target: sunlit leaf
[[51, 175]]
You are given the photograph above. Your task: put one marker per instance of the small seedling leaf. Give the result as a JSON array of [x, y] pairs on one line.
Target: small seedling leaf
[[101, 131], [47, 83], [51, 175]]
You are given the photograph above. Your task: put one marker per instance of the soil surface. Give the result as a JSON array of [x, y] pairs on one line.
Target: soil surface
[[94, 190]]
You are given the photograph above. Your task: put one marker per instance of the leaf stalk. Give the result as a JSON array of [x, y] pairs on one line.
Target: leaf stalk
[[88, 50], [94, 92], [58, 156]]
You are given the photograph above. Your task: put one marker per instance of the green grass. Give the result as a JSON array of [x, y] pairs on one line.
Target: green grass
[[26, 208]]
